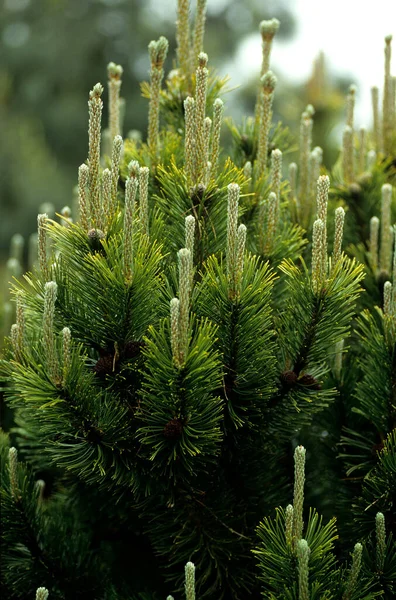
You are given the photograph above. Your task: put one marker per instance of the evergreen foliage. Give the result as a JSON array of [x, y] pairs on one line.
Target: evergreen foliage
[[173, 345]]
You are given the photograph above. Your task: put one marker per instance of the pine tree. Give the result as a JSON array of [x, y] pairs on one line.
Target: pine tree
[[180, 337]]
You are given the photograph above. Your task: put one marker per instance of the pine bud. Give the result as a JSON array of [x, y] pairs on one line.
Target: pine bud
[[199, 30], [190, 581], [381, 541], [42, 593], [348, 155], [15, 337], [13, 466], [95, 106], [130, 197], [190, 232], [268, 83], [387, 298], [144, 173], [114, 83], [51, 290], [115, 167], [174, 321], [293, 189], [66, 352], [276, 175], [42, 246], [106, 199], [373, 244], [318, 256], [133, 169], [94, 239], [354, 572], [289, 525], [241, 250], [298, 498], [189, 139], [303, 553], [385, 258], [200, 106], [183, 36], [157, 51], [184, 258], [268, 30], [83, 201], [218, 108], [208, 129], [232, 235], [189, 242], [338, 234]]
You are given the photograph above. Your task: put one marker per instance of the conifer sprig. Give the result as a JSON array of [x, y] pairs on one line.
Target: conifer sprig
[[218, 108], [183, 36], [95, 106], [157, 53], [200, 108], [130, 196], [199, 31], [42, 246], [114, 73], [268, 84], [83, 199]]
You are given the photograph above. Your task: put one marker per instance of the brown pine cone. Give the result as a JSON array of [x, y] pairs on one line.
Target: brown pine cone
[[173, 429]]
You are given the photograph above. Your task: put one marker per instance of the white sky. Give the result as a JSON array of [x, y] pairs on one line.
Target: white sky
[[351, 34]]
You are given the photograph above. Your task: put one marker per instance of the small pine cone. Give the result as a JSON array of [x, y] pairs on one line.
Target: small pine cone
[[173, 429], [197, 192], [132, 349], [288, 378], [94, 237], [310, 381], [104, 365]]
